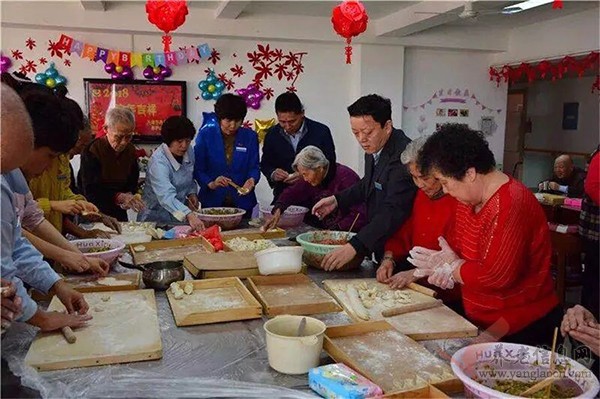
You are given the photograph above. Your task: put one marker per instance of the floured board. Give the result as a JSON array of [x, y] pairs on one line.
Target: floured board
[[387, 357], [294, 294], [374, 305], [437, 323], [166, 250], [123, 329], [214, 301], [88, 283], [253, 233]]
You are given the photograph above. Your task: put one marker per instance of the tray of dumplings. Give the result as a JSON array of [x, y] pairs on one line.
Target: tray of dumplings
[[195, 302]]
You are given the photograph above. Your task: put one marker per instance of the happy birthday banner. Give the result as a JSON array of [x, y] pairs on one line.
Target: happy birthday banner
[[452, 96], [133, 59]]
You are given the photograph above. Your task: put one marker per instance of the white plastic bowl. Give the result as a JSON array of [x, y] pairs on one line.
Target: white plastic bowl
[[280, 260], [516, 362]]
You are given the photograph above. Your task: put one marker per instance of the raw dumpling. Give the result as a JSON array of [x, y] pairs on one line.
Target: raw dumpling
[[188, 288], [175, 287], [178, 294]]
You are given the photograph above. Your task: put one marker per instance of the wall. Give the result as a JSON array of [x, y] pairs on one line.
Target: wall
[[545, 110], [427, 72], [323, 86]]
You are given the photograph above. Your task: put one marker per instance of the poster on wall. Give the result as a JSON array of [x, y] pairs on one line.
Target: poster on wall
[[151, 102], [570, 116]]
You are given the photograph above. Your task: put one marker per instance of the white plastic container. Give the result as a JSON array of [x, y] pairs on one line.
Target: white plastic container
[[517, 362], [280, 260], [288, 353]]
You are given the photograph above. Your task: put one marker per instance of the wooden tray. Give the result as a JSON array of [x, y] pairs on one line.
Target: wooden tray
[[337, 288], [294, 294], [177, 250], [89, 283], [124, 329], [429, 392], [214, 301], [223, 264], [437, 323], [253, 234], [388, 358]]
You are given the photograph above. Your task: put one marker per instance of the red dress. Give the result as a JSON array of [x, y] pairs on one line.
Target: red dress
[[429, 220], [507, 249]]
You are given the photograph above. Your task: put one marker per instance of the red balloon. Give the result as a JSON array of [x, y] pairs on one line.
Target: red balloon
[[167, 15]]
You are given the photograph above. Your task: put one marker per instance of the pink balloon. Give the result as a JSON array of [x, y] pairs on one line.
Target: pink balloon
[[5, 63]]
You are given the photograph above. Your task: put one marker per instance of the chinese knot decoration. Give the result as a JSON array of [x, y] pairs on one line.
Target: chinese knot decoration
[[167, 15], [553, 69], [349, 19]]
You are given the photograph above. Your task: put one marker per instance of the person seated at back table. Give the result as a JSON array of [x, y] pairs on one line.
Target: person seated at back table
[[320, 179], [567, 179], [225, 154], [285, 140], [170, 190], [109, 169]]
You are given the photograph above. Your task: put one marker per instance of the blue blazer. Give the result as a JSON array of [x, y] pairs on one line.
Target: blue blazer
[[210, 163]]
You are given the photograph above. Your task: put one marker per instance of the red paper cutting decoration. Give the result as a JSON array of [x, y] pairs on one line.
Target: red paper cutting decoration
[[167, 15], [349, 19], [557, 4], [596, 85]]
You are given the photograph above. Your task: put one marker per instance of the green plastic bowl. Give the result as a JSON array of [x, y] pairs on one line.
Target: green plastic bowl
[[314, 252]]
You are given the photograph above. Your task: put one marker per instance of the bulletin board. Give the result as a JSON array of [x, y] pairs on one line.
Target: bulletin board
[[151, 102]]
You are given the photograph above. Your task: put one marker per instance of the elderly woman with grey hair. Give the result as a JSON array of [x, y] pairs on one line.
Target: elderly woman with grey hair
[[432, 216], [109, 169], [320, 179]]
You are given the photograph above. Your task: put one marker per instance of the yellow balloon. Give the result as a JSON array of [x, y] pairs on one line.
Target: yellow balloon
[[50, 82], [262, 125], [156, 70], [211, 88], [119, 69]]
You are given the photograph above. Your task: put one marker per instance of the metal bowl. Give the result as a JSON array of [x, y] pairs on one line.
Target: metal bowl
[[159, 275]]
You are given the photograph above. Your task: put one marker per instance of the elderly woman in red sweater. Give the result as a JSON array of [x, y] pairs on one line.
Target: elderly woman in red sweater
[[431, 217], [319, 179], [500, 244]]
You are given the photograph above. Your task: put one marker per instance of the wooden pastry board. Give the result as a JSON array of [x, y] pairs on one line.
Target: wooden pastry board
[[163, 250], [437, 323], [214, 301], [253, 234], [89, 283], [223, 264], [333, 287], [388, 358], [125, 330], [294, 294]]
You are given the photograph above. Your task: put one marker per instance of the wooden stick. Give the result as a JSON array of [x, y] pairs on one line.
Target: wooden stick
[[353, 223], [69, 335], [411, 308], [540, 385], [552, 359], [422, 290]]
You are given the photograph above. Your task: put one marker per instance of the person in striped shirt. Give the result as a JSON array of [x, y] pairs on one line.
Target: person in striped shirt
[[499, 248]]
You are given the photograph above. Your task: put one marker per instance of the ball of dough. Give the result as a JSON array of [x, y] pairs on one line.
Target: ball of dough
[[188, 288], [105, 298], [178, 294], [175, 287]]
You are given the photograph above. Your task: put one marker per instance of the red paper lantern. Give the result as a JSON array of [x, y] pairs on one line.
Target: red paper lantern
[[349, 19], [167, 15]]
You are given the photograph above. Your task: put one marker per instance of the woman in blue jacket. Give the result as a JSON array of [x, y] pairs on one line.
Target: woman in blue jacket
[[225, 152]]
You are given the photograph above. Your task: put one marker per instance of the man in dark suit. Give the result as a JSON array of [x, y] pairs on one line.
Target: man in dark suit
[[285, 140], [386, 187]]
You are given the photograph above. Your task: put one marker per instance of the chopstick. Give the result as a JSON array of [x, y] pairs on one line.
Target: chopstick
[[352, 225], [552, 362]]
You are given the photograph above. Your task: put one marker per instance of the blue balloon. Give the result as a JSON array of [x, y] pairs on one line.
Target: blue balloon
[[220, 85], [41, 78], [206, 95], [216, 95], [60, 80], [211, 79], [51, 72], [203, 85]]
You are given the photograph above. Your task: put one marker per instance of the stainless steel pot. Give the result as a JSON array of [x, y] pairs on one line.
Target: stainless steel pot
[[159, 275]]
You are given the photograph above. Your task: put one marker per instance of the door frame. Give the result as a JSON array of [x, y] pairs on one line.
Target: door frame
[[522, 127]]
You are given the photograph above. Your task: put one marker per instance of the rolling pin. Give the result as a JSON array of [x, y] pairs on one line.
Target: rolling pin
[[422, 290], [69, 335], [411, 308]]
